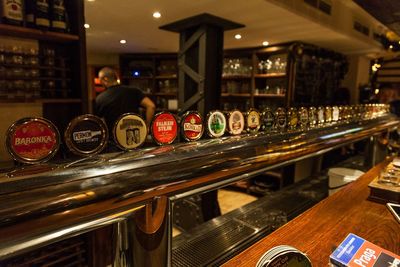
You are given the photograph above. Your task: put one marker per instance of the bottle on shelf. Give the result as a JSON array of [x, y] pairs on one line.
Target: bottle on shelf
[[59, 16], [42, 14], [12, 12], [30, 14]]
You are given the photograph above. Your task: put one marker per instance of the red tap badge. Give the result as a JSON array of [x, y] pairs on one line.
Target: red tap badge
[[32, 140], [164, 128], [192, 126]]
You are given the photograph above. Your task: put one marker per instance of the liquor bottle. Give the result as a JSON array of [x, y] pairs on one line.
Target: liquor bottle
[[12, 12], [30, 11], [42, 13], [58, 18]]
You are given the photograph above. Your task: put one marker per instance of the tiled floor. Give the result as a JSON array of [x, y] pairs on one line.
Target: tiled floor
[[228, 200]]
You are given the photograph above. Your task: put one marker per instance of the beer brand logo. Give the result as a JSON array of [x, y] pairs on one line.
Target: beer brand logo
[[32, 140], [87, 136], [192, 126], [253, 120], [236, 122], [216, 124], [303, 117], [268, 119], [130, 131], [321, 115], [164, 128]]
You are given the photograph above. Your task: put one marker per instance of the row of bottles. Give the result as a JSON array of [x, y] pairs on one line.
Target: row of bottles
[[41, 14]]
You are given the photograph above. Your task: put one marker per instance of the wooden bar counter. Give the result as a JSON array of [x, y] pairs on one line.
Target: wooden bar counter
[[318, 231]]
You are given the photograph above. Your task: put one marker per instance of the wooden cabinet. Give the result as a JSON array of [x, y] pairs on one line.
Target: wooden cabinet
[[291, 74]]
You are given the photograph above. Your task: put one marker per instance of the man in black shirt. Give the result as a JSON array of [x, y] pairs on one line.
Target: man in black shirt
[[119, 99]]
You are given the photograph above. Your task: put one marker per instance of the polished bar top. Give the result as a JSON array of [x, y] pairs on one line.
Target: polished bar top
[[318, 231], [43, 204]]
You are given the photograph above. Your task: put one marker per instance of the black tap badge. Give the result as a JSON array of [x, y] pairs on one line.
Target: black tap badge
[[86, 135]]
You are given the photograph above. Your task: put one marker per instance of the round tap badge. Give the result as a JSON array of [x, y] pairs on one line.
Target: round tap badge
[[86, 135], [253, 121], [321, 115], [32, 140], [130, 131], [235, 122], [164, 128], [192, 126], [216, 124], [293, 118], [267, 118], [303, 116], [280, 119], [312, 116], [335, 114], [328, 114]]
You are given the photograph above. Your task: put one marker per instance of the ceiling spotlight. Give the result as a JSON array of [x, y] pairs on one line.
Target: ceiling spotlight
[[265, 43], [238, 37], [122, 41], [87, 26], [157, 15], [390, 46], [90, 0]]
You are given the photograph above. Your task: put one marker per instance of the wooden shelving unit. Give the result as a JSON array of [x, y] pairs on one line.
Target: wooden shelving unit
[[270, 75], [28, 33], [61, 83], [252, 77]]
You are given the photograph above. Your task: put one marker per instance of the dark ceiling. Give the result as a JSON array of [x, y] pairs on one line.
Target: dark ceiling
[[386, 11]]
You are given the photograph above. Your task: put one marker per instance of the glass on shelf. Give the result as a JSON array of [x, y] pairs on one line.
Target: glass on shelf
[[167, 68], [237, 67], [273, 65], [35, 87]]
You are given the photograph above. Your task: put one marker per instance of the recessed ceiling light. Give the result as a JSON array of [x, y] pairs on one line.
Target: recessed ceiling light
[[238, 36], [87, 26], [91, 0], [157, 15], [390, 46], [265, 43], [122, 41]]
